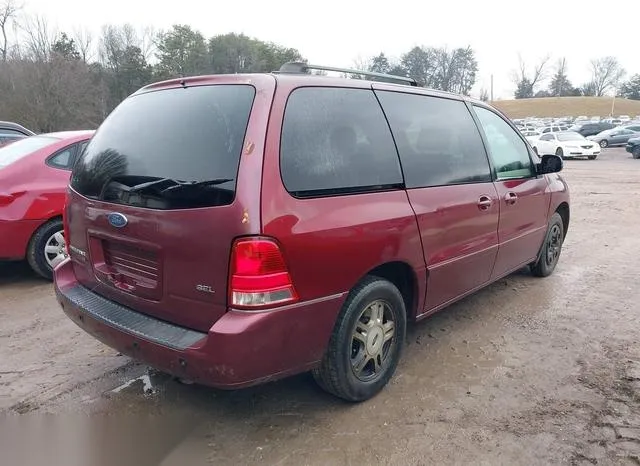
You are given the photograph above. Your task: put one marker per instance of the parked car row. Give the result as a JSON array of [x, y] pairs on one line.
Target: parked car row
[[580, 139]]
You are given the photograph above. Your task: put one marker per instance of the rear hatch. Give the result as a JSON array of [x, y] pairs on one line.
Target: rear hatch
[[153, 207]]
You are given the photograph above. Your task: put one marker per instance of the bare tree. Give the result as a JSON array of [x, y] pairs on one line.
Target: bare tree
[[40, 36], [118, 38], [539, 71], [8, 11], [83, 39], [606, 73], [360, 63], [526, 81], [147, 41]]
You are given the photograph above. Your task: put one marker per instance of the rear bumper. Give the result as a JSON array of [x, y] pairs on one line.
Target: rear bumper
[[15, 236], [240, 349]]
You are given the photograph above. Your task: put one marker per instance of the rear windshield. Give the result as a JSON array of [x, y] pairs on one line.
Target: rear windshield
[[169, 149], [19, 149]]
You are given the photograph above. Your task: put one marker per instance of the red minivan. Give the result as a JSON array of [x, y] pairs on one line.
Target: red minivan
[[236, 229]]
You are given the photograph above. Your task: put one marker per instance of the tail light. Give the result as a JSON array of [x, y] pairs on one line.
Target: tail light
[[259, 275], [65, 220], [6, 199]]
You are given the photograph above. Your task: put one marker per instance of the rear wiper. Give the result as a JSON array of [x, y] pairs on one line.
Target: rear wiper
[[173, 184], [196, 184]]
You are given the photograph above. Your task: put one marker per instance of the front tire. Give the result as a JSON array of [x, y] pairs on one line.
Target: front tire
[[604, 143], [592, 157], [47, 248], [560, 152], [367, 341], [636, 152], [551, 248]]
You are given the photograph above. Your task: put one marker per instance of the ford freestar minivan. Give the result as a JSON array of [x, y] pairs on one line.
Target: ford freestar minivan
[[236, 229]]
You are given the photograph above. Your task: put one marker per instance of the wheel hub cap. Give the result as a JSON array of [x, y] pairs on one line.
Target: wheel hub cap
[[55, 250], [375, 339]]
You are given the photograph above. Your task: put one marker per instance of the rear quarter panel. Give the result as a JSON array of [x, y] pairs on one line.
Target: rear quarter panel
[[559, 190]]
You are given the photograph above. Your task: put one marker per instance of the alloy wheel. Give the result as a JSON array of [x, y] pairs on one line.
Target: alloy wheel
[[372, 340], [554, 244]]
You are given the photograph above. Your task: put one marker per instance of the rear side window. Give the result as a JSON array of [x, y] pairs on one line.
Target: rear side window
[[438, 141], [168, 149], [64, 158], [336, 141]]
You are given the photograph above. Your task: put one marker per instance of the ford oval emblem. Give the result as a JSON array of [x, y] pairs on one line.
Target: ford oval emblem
[[117, 220]]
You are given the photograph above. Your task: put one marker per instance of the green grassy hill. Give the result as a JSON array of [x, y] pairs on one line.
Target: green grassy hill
[[567, 106]]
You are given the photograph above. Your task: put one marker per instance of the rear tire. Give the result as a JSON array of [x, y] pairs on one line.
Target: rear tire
[[551, 248], [560, 152], [366, 343], [46, 238]]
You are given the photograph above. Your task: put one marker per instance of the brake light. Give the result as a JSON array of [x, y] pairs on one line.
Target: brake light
[[65, 221], [6, 199], [259, 275]]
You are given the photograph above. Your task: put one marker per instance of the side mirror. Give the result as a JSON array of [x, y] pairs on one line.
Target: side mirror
[[549, 164]]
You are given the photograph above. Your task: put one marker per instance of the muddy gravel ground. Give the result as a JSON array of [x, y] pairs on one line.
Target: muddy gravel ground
[[527, 371]]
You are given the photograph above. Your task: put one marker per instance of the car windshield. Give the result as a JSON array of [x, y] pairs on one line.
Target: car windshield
[[19, 149], [569, 136]]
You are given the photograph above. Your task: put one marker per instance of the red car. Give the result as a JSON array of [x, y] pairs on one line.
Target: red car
[[34, 174], [235, 229]]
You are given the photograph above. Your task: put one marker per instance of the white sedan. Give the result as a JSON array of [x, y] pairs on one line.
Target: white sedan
[[531, 135], [566, 144]]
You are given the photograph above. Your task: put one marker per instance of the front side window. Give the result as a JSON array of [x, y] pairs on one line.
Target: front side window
[[336, 141], [507, 150], [437, 139]]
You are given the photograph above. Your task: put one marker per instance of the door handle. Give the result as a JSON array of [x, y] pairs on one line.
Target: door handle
[[484, 203], [511, 198]]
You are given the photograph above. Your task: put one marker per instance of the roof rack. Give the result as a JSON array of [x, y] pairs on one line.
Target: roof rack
[[302, 68]]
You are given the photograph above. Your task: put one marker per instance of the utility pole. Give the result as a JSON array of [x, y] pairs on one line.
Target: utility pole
[[491, 88], [613, 103]]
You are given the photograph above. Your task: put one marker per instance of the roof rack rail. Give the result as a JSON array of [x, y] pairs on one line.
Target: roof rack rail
[[302, 68]]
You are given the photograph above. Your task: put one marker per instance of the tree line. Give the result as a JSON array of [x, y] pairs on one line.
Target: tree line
[[51, 80], [54, 80], [607, 74]]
